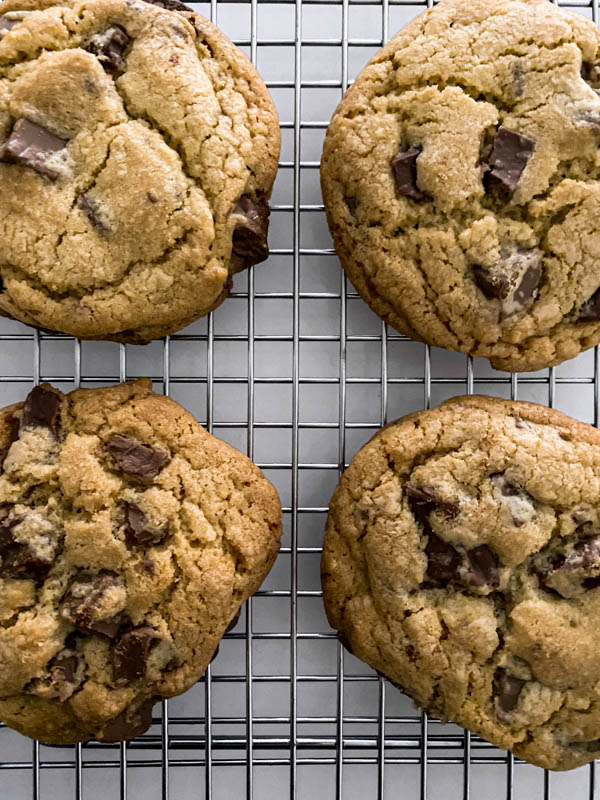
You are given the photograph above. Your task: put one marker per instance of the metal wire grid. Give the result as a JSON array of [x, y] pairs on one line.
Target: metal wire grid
[[284, 735]]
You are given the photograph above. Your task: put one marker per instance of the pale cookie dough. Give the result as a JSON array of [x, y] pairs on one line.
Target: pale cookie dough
[[462, 561], [461, 179], [129, 538], [138, 149]]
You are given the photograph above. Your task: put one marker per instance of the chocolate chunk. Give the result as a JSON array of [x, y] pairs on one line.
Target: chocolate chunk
[[65, 675], [90, 208], [139, 532], [424, 499], [136, 459], [518, 502], [130, 654], [483, 565], [13, 433], [17, 559], [109, 47], [42, 410], [590, 310], [249, 243], [591, 73], [443, 560], [513, 280], [509, 689], [170, 5], [32, 146], [590, 747], [128, 724], [584, 554], [404, 165], [85, 604], [233, 622], [7, 24], [510, 153]]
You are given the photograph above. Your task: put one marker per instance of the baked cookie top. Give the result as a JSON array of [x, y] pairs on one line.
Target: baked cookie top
[[462, 560], [138, 148], [461, 178], [129, 537]]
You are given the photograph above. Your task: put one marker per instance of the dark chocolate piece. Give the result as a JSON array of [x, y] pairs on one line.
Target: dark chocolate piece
[[128, 724], [17, 559], [109, 47], [404, 165], [32, 146], [171, 5], [424, 499], [443, 560], [249, 243], [590, 747], [591, 73], [509, 689], [590, 310], [584, 554], [130, 654], [13, 433], [513, 280], [42, 410], [64, 674], [136, 459], [89, 206], [483, 566], [138, 531], [520, 515], [510, 153], [82, 605]]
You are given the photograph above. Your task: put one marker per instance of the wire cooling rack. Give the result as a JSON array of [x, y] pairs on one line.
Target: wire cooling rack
[[296, 371]]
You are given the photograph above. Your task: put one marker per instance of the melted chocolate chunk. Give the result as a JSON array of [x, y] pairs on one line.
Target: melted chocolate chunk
[[513, 280], [519, 503], [585, 554], [170, 5], [510, 153], [139, 532], [65, 675], [32, 146], [249, 243], [130, 654], [83, 604], [135, 459], [483, 566], [42, 410], [404, 165], [424, 499], [109, 47], [17, 559], [509, 689], [128, 724], [590, 310], [90, 208], [443, 560], [13, 433]]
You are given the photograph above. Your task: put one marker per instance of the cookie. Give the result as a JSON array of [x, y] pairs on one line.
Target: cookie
[[462, 561], [138, 149], [461, 179], [129, 538]]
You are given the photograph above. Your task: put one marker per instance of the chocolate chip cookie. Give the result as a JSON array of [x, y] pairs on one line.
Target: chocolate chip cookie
[[138, 148], [129, 537], [461, 178], [462, 561]]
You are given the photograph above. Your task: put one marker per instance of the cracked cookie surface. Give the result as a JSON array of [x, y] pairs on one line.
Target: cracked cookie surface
[[129, 537], [461, 179], [462, 561], [138, 148]]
